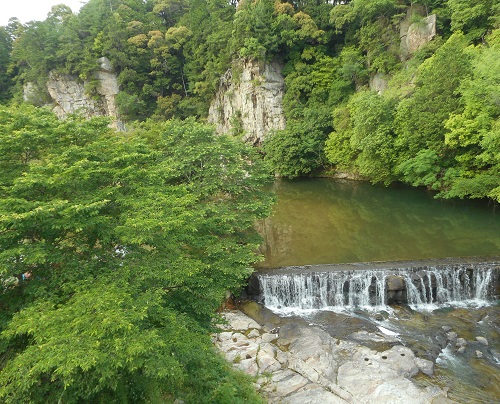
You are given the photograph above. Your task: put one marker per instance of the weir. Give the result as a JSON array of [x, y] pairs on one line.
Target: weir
[[420, 284]]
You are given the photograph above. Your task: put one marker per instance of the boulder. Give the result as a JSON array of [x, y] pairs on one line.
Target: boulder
[[482, 340]]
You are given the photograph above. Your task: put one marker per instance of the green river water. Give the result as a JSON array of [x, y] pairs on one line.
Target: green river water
[[319, 221]]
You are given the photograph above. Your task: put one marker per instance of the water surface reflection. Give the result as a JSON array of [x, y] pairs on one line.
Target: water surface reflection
[[318, 221]]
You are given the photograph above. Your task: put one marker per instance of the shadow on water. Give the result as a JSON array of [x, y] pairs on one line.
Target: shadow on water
[[318, 221]]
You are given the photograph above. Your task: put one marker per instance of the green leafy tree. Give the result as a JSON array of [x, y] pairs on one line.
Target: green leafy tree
[[363, 139], [474, 18], [314, 87], [473, 135], [131, 243], [5, 78], [419, 121]]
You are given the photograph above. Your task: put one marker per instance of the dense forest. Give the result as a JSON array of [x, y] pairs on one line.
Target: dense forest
[[436, 124], [117, 248]]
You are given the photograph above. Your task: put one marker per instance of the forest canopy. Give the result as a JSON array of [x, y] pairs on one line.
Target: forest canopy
[[435, 123], [115, 252]]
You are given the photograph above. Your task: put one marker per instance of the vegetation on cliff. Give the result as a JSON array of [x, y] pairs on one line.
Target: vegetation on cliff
[[435, 124]]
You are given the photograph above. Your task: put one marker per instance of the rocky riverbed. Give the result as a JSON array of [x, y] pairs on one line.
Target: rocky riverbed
[[298, 362]]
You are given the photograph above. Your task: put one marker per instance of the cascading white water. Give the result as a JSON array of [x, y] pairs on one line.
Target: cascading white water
[[305, 291], [425, 288], [434, 287]]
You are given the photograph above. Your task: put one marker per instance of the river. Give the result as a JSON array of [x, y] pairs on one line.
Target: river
[[325, 221]]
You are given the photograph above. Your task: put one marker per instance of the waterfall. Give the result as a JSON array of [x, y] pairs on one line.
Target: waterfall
[[421, 287], [306, 291], [451, 286]]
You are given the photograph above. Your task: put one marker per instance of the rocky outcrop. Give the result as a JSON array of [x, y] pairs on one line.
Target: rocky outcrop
[[417, 34], [249, 101], [304, 364], [68, 94], [379, 82]]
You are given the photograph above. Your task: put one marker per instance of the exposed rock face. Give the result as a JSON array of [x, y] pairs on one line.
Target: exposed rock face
[[251, 102], [303, 364], [379, 82], [417, 34], [420, 33], [69, 96]]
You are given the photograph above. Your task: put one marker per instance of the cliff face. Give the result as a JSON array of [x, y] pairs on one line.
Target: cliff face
[[249, 101], [413, 37], [68, 95]]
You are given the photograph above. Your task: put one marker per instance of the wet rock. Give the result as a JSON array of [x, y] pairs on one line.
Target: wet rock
[[446, 328], [461, 349], [451, 335], [262, 315], [461, 342], [482, 340], [395, 283], [425, 366], [479, 354], [304, 364]]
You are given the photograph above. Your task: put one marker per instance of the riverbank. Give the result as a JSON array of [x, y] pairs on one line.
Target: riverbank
[[296, 362]]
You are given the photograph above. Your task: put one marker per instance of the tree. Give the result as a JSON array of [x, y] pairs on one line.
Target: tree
[[131, 243], [473, 135], [5, 79], [419, 120], [363, 139]]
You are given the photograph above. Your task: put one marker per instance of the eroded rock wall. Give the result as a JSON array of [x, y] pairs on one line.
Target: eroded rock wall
[[249, 99], [414, 35], [68, 94]]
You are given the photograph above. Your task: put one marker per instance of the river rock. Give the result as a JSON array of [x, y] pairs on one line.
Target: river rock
[[425, 366], [479, 354], [313, 394], [310, 351], [482, 340], [395, 282], [266, 358], [238, 321], [304, 364]]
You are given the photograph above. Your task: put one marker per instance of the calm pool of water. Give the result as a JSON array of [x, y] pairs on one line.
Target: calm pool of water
[[318, 221]]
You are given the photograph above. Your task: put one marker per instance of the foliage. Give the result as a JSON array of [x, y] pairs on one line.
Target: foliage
[[5, 50], [363, 139], [170, 54], [131, 243], [314, 87]]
